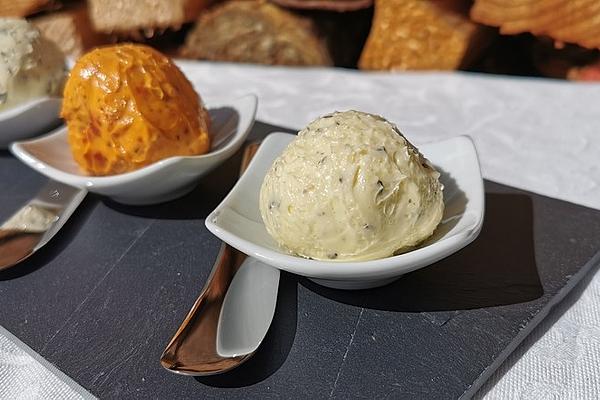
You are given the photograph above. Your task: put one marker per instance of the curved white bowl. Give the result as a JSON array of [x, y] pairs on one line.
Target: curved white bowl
[[161, 181], [28, 119], [237, 219]]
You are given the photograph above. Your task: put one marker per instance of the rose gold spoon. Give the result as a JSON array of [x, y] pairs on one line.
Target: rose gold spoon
[[231, 317], [32, 226]]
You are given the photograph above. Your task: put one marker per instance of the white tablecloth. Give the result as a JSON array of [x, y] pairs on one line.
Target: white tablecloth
[[24, 375], [539, 135], [535, 134]]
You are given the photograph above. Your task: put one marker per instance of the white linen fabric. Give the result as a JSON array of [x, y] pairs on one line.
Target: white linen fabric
[[539, 135], [24, 375]]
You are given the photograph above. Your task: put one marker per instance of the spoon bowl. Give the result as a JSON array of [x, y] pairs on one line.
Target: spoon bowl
[[28, 119], [228, 321], [161, 181]]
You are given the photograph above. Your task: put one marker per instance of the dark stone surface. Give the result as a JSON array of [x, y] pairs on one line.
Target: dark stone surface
[[102, 300]]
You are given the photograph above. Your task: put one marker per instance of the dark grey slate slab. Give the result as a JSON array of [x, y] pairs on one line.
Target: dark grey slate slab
[[102, 301]]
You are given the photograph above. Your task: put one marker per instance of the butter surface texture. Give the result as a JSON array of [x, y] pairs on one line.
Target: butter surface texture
[[128, 106], [350, 188]]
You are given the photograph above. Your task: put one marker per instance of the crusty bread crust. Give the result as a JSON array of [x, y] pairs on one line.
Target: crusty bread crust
[[417, 34], [569, 21], [333, 5], [130, 15], [255, 31], [22, 8], [70, 29]]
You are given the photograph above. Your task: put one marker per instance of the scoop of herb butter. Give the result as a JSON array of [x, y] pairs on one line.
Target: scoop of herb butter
[[30, 66], [350, 187]]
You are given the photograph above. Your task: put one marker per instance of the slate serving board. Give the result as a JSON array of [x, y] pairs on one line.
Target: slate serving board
[[103, 299]]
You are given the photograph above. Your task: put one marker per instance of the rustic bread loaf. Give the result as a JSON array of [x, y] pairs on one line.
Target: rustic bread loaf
[[131, 15], [421, 34], [255, 31], [23, 8], [70, 29], [570, 21], [333, 5]]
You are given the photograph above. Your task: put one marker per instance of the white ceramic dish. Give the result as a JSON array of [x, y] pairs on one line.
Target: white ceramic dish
[[28, 119], [164, 180], [237, 219]]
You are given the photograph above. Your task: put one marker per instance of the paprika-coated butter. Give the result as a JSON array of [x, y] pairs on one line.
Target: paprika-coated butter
[[127, 106]]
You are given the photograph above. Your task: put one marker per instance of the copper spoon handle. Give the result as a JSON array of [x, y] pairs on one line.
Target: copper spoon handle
[[192, 350]]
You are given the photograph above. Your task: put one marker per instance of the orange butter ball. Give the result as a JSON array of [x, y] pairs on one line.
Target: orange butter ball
[[128, 106]]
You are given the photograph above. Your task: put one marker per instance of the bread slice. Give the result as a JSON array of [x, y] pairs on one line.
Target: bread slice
[[333, 5], [23, 8], [255, 31], [568, 21], [422, 34], [124, 16], [70, 29]]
